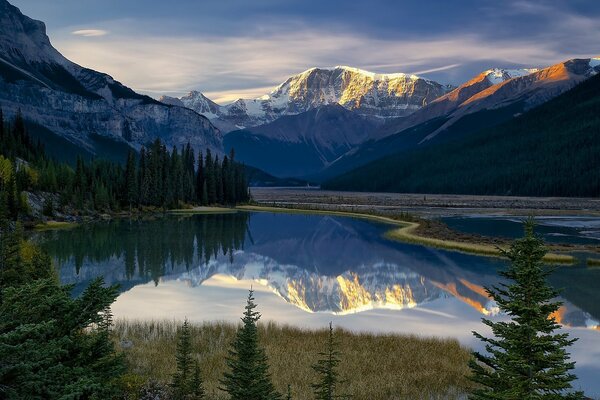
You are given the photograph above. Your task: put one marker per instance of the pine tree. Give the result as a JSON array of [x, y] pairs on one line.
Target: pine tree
[[326, 387], [196, 389], [248, 377], [526, 358], [200, 179], [131, 187], [289, 393], [183, 375]]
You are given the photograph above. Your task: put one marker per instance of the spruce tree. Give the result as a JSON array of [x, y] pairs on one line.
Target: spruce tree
[[248, 377], [131, 187], [183, 374], [527, 357], [196, 389], [326, 387]]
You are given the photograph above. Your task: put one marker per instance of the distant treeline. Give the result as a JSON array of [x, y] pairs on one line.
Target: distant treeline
[[157, 177], [552, 150]]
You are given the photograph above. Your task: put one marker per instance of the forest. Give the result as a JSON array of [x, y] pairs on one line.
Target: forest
[[156, 177], [551, 150]]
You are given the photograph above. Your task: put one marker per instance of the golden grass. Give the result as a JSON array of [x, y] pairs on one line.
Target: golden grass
[[406, 233], [593, 262], [203, 210], [49, 225], [377, 367]]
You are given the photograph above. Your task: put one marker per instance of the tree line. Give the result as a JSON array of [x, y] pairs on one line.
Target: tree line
[[156, 177]]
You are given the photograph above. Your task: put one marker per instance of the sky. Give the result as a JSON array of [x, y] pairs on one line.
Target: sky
[[229, 49]]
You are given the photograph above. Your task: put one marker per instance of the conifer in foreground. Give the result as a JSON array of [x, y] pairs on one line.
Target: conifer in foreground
[[526, 358], [187, 384], [248, 377], [326, 387]]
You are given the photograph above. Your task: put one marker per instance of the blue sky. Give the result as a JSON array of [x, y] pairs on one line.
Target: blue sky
[[242, 48]]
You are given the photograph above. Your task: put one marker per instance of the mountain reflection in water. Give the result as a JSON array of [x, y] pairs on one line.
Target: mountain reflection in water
[[317, 263]]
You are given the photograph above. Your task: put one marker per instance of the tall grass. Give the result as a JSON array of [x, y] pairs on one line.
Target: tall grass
[[375, 366]]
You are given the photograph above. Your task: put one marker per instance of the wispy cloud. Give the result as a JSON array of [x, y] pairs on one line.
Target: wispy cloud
[[225, 65], [90, 32], [436, 69], [174, 55]]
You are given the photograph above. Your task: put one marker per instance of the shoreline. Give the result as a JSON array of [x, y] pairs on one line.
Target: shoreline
[[406, 233]]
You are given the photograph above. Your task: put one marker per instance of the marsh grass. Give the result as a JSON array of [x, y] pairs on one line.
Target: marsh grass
[[593, 262], [51, 225], [375, 366]]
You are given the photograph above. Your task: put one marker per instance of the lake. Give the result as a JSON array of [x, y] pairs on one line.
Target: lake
[[307, 270]]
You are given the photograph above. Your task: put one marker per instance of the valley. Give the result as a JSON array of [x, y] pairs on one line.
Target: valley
[[407, 175]]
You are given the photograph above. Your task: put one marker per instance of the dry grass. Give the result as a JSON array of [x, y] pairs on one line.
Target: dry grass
[[203, 210], [407, 233], [593, 262], [49, 225], [376, 366]]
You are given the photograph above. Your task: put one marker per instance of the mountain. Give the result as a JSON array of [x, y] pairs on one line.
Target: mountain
[[259, 178], [302, 144], [80, 105], [378, 96], [490, 98], [551, 150]]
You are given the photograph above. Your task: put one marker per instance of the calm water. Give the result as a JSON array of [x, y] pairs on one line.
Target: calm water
[[307, 270]]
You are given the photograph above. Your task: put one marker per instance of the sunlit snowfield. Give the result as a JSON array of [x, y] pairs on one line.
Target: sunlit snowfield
[[312, 269]]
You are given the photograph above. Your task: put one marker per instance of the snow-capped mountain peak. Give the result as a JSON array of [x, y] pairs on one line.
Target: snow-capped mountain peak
[[372, 95], [499, 75]]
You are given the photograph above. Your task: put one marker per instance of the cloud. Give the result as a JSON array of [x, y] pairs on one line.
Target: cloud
[[245, 64], [90, 32], [436, 69]]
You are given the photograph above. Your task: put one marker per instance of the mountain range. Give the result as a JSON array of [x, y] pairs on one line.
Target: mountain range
[[370, 95], [316, 125]]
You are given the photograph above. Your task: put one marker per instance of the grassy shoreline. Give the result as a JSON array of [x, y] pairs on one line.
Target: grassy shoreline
[[377, 367], [407, 233]]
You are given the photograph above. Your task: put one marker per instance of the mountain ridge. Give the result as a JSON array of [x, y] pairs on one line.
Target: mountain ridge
[[77, 103], [372, 95]]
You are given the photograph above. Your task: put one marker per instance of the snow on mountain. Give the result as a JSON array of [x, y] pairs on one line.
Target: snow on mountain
[[79, 104], [378, 96], [496, 88], [499, 75]]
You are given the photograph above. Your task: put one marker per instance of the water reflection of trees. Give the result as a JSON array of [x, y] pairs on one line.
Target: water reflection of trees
[[150, 249]]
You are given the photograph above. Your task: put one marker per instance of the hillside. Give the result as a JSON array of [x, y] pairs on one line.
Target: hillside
[[551, 150], [302, 144]]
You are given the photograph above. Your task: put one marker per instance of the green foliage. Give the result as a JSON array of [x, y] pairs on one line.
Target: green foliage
[[187, 380], [50, 346], [551, 150], [327, 385], [156, 178], [526, 358], [248, 376]]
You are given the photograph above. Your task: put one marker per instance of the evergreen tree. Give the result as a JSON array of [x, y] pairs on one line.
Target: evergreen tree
[[131, 179], [196, 390], [48, 346], [289, 393], [248, 377], [526, 358], [326, 387], [200, 180], [211, 183], [183, 375]]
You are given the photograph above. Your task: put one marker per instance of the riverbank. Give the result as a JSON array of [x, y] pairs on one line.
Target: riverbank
[[377, 367], [411, 231]]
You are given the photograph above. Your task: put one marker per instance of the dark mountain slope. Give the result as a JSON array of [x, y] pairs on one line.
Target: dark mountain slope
[[301, 144], [552, 150]]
